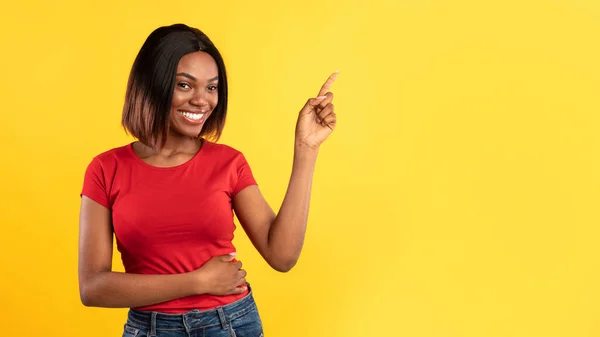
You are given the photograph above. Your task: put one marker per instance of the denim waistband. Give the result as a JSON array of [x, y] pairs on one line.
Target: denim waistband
[[191, 320]]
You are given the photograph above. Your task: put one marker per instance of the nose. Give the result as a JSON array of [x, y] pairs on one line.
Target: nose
[[199, 98]]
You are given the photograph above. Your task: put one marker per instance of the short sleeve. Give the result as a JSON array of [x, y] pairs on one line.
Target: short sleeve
[[94, 184], [245, 177]]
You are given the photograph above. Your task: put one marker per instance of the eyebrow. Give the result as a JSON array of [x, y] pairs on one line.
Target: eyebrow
[[214, 79]]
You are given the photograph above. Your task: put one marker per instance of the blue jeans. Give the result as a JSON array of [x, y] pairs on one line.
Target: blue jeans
[[237, 319]]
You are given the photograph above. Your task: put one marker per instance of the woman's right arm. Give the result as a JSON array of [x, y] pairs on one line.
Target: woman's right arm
[[99, 286]]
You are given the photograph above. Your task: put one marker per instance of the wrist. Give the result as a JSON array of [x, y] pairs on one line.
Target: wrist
[[195, 281], [304, 149], [305, 155]]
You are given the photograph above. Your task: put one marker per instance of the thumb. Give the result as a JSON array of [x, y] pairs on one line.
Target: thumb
[[228, 257], [312, 103]]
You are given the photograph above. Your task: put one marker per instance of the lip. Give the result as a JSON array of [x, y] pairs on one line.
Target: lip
[[193, 121]]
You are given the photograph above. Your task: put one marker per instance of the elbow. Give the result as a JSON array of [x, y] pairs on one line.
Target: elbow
[[86, 297], [284, 265], [87, 294]]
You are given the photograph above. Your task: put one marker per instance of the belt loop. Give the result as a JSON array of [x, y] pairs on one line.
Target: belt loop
[[153, 324], [222, 318]]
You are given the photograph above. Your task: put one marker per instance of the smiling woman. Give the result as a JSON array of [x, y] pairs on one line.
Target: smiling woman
[[152, 92], [169, 198]]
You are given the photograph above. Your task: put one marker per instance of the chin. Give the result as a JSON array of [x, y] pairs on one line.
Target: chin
[[190, 133], [187, 128]]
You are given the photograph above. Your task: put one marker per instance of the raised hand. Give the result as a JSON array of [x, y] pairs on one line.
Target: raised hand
[[317, 118]]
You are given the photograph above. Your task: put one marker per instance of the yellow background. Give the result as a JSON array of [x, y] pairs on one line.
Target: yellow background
[[458, 196]]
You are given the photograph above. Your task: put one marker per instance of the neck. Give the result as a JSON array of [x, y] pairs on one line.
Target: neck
[[177, 143]]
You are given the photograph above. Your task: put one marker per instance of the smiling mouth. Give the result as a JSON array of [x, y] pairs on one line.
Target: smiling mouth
[[191, 115]]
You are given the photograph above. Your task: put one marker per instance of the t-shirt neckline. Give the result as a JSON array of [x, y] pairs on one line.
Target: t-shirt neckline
[[179, 166]]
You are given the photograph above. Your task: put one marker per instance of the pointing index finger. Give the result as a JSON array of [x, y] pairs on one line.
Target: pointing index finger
[[328, 83]]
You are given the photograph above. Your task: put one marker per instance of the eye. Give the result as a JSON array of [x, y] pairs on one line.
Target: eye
[[212, 88], [184, 85]]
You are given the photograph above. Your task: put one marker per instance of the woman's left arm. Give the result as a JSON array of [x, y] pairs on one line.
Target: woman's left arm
[[279, 237]]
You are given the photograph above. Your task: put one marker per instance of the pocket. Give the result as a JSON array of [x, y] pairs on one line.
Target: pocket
[[248, 325], [129, 331]]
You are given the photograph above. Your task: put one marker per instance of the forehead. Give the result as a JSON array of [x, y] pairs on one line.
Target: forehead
[[198, 64]]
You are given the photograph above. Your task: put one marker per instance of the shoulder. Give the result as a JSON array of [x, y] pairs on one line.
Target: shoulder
[[110, 158], [223, 151], [116, 153], [226, 158], [100, 175]]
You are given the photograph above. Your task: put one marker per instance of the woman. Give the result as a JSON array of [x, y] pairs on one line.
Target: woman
[[170, 197]]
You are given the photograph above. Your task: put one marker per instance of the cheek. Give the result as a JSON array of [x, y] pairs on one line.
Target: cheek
[[178, 99], [214, 100]]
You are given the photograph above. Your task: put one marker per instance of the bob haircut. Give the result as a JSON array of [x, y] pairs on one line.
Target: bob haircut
[[152, 81]]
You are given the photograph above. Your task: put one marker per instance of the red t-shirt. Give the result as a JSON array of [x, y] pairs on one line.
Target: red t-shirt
[[171, 220]]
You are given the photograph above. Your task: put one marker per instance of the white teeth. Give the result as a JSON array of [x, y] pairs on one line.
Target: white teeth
[[191, 115]]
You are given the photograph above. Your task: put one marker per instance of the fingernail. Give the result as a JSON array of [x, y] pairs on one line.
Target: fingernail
[[321, 97], [233, 254]]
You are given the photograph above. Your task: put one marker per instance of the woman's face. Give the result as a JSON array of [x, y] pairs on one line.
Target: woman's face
[[195, 95]]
